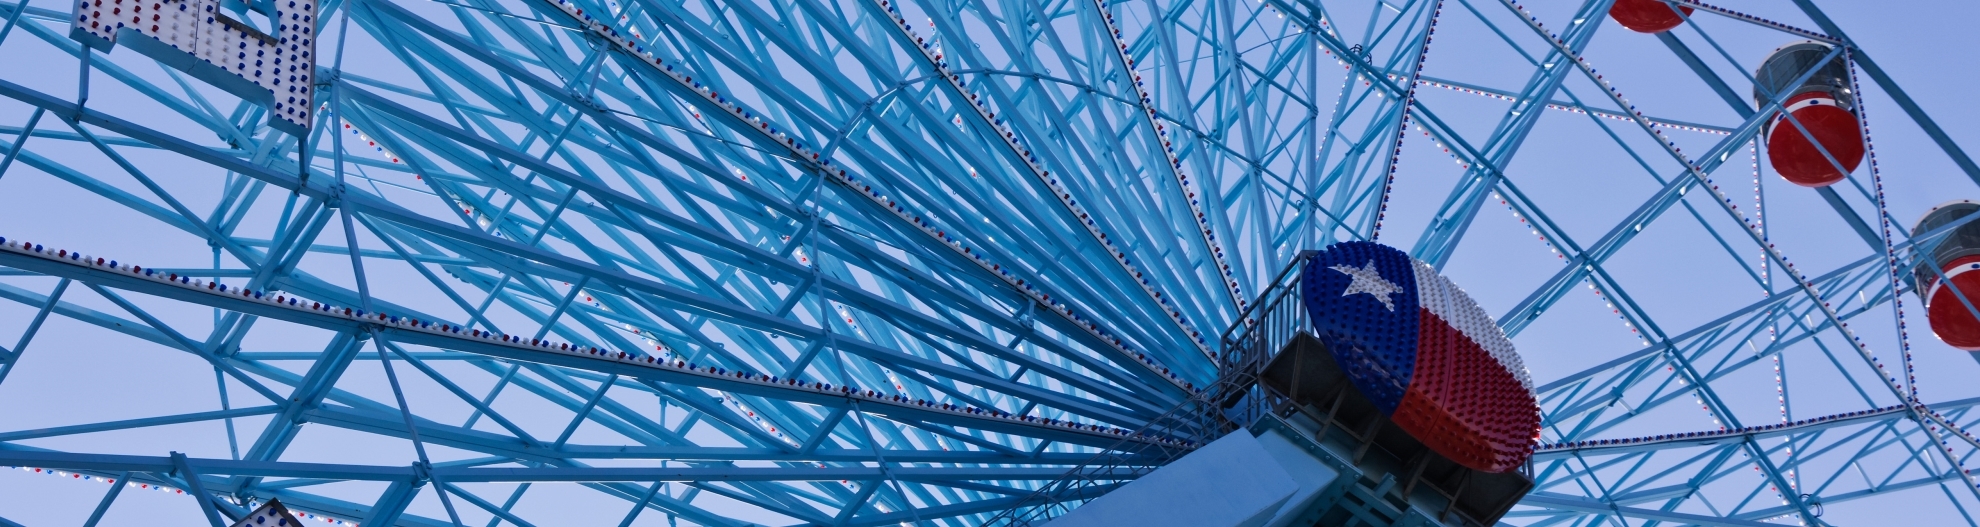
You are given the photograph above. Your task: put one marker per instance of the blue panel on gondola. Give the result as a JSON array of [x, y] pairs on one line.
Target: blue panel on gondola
[[1362, 297]]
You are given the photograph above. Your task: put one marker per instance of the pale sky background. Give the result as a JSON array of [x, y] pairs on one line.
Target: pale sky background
[[74, 374]]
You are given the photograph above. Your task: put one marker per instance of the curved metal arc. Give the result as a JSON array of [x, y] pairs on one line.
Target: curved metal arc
[[899, 316]]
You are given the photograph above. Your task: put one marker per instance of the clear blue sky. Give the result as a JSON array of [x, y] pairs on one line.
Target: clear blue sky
[[76, 374]]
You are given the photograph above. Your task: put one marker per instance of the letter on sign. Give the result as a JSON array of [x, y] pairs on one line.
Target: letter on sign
[[194, 36]]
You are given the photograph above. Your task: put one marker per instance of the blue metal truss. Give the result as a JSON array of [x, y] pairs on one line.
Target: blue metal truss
[[876, 262]]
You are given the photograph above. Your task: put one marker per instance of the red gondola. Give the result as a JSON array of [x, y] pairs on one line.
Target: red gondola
[[1648, 16], [1957, 258], [1820, 107]]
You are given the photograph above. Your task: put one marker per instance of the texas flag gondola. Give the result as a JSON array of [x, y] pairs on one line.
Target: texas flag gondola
[[1427, 356]]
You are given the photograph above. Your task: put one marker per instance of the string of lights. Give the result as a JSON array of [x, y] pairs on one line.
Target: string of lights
[[1402, 127], [1661, 123], [1893, 270], [822, 164], [139, 485], [1766, 290], [708, 374], [1188, 186], [1682, 378], [979, 105]]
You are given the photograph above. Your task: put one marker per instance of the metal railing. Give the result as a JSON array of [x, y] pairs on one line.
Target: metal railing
[[1269, 324]]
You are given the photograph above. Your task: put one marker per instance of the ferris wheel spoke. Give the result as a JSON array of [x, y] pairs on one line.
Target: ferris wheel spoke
[[436, 430], [213, 471], [1447, 229], [1897, 93], [1740, 107], [1731, 339], [1031, 92], [425, 338], [1580, 262], [1017, 154], [1810, 440], [1855, 276], [1792, 314], [847, 261], [1017, 327]]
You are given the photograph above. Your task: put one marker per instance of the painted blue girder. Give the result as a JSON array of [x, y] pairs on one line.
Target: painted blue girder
[[1017, 208]]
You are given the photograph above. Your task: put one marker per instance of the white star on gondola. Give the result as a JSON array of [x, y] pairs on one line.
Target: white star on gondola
[[1368, 280]]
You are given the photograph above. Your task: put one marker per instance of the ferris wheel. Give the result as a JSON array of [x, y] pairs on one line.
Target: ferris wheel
[[884, 262]]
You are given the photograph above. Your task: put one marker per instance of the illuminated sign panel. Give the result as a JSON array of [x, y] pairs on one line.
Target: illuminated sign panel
[[196, 37]]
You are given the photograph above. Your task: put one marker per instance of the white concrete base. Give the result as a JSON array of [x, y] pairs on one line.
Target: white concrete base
[[1312, 475], [1233, 482]]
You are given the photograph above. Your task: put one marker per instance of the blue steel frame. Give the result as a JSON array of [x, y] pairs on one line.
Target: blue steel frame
[[970, 212]]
